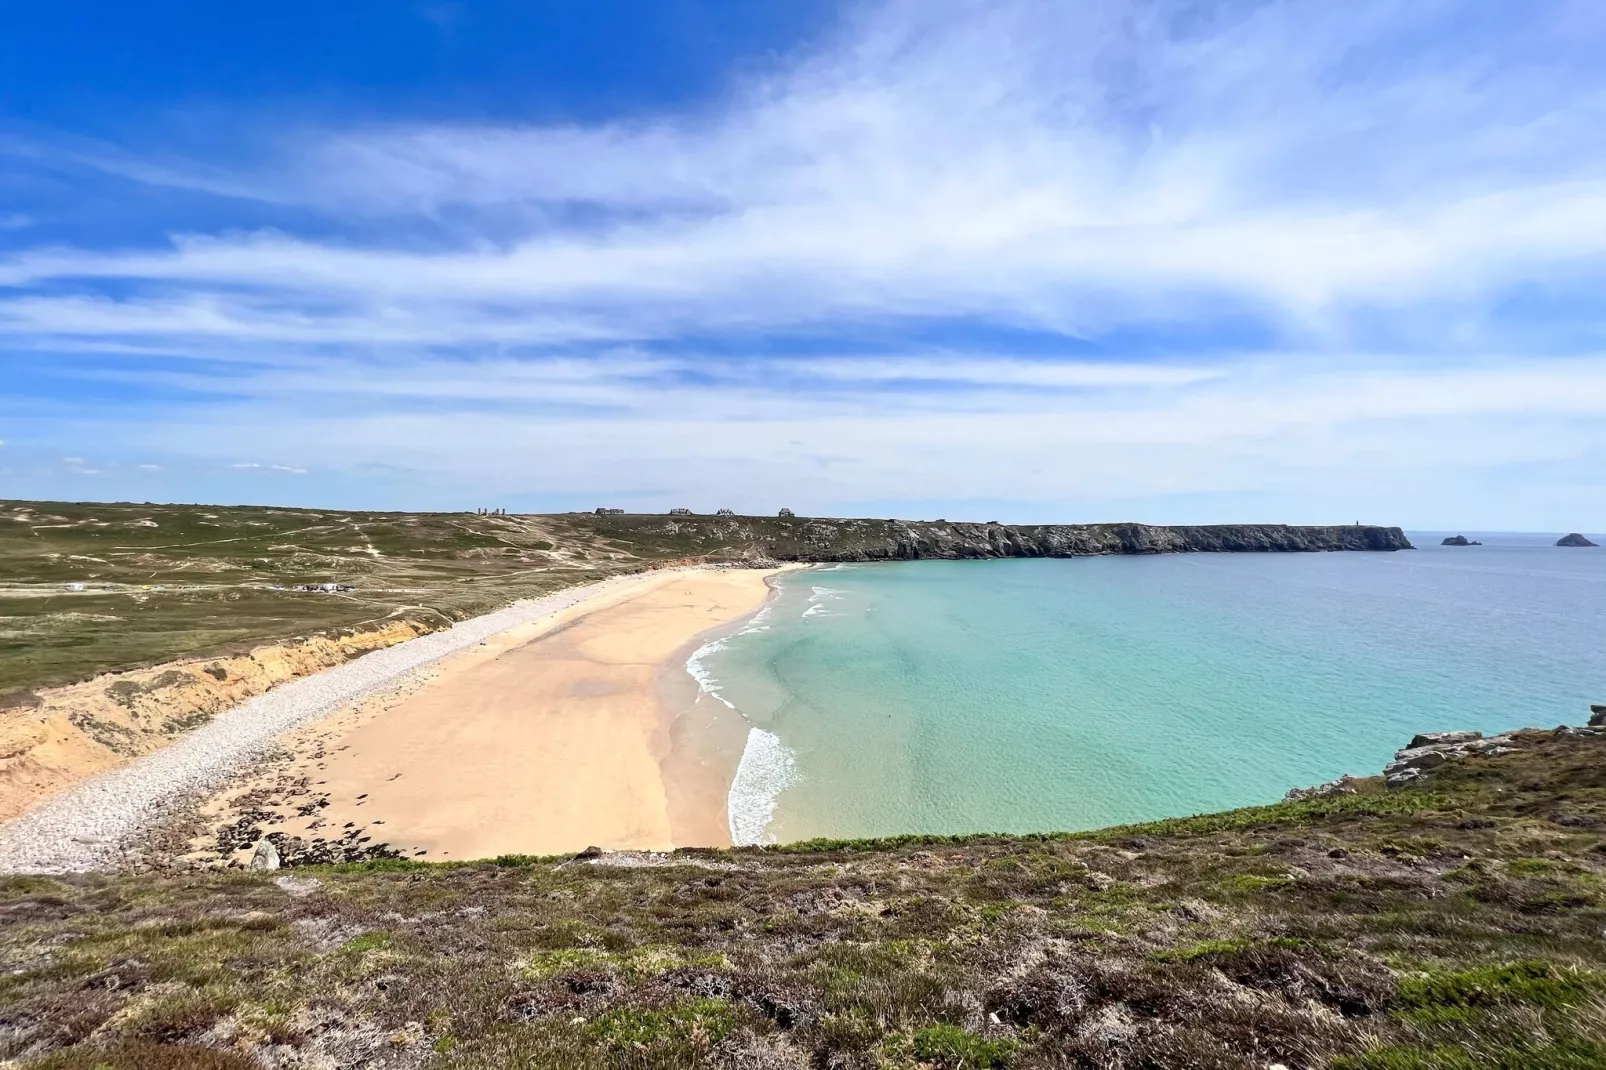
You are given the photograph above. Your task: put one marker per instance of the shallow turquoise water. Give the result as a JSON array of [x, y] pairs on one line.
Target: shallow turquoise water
[[1035, 695]]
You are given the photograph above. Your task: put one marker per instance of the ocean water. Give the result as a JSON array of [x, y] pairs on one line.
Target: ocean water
[[1033, 695]]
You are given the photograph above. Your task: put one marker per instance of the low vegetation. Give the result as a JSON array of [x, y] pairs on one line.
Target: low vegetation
[[1454, 923], [167, 581]]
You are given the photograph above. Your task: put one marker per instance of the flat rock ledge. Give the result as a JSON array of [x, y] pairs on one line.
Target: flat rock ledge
[[1429, 750]]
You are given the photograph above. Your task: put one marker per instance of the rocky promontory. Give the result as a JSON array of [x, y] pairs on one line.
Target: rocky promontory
[[1573, 539], [831, 539], [1429, 750]]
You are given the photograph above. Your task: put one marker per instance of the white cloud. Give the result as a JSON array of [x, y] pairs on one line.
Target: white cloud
[[1068, 167], [292, 469], [1312, 175], [149, 467]]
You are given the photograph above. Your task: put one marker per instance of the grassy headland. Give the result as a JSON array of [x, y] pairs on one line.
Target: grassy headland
[[168, 581], [1452, 923]]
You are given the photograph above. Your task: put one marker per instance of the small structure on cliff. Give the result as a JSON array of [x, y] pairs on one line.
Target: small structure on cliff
[[725, 512], [610, 512], [786, 512], [1460, 540], [1574, 539], [681, 512]]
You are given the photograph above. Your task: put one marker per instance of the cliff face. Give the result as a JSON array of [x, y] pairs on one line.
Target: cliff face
[[814, 539]]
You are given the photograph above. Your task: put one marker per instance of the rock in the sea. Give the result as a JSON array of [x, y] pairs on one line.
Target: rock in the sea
[[1597, 714], [1459, 540], [1574, 539], [266, 856]]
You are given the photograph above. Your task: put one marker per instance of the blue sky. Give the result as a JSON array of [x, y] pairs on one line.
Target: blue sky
[[1165, 260]]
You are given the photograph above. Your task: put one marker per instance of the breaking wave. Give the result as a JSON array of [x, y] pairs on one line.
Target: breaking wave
[[767, 768], [699, 671]]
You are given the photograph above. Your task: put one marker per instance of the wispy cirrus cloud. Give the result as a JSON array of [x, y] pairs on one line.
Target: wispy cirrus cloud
[[1232, 227]]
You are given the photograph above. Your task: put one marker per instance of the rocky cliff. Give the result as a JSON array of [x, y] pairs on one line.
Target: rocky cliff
[[820, 539]]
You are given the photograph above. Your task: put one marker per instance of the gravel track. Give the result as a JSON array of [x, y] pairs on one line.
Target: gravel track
[[85, 827]]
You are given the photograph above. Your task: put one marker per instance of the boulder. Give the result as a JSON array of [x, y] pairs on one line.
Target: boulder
[[1574, 539], [1401, 777], [266, 856], [1597, 714], [1434, 739]]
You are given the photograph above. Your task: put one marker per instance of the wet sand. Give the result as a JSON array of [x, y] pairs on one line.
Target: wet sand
[[580, 731]]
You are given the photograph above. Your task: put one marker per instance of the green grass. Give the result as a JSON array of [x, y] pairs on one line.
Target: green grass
[[954, 1048], [1538, 984]]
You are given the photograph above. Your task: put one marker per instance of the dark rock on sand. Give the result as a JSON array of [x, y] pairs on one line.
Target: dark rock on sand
[[1574, 539]]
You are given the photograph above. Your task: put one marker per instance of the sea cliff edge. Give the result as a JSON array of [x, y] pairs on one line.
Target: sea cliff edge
[[818, 539]]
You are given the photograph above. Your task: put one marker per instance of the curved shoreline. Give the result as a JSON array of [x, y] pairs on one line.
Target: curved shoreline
[[85, 827], [496, 697], [706, 734]]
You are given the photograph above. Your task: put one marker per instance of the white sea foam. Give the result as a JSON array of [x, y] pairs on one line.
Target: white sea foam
[[767, 768], [820, 599], [757, 623], [700, 672]]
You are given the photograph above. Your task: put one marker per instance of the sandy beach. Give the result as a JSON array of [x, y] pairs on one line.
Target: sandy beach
[[578, 730]]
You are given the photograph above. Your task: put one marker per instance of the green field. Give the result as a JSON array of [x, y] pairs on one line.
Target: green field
[[1449, 925], [163, 581]]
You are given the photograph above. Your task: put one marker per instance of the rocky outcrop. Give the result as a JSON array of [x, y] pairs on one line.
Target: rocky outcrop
[[1429, 750], [1459, 540], [1574, 539], [1433, 749], [1344, 785], [820, 539]]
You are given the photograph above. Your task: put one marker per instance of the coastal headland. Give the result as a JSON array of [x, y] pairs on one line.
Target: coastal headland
[[829, 539]]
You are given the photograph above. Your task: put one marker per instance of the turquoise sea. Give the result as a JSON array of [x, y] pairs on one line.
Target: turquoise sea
[[1031, 695]]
